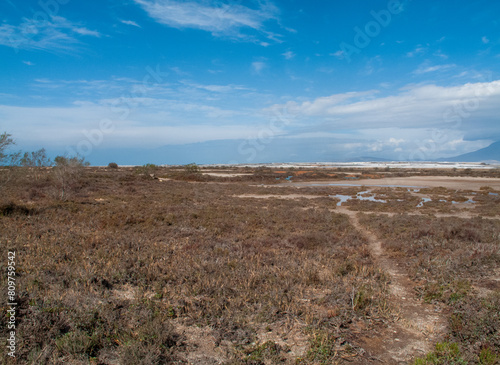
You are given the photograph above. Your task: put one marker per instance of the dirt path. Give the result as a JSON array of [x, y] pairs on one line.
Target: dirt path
[[419, 325]]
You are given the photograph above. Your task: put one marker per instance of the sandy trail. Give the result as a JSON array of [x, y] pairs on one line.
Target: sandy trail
[[419, 326]]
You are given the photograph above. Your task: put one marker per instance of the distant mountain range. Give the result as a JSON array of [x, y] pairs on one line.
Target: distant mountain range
[[228, 152], [490, 153]]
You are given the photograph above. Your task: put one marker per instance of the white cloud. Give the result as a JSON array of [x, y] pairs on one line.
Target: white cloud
[[462, 74], [173, 108], [320, 106], [417, 143], [419, 50], [396, 142], [329, 135], [171, 135], [93, 86], [29, 63], [58, 33], [85, 31], [152, 123], [426, 69], [485, 40], [453, 144], [219, 19], [424, 106], [326, 70], [130, 22], [137, 92], [258, 66], [440, 54], [216, 88], [288, 55], [339, 54], [393, 143], [366, 123]]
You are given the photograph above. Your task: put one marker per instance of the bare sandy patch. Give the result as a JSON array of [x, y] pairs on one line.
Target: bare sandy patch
[[459, 183], [270, 196], [292, 338], [223, 174], [202, 345], [127, 292]]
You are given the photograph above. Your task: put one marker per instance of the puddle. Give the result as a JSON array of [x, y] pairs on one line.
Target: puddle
[[371, 198], [470, 201], [494, 194], [424, 200], [343, 198], [359, 196]]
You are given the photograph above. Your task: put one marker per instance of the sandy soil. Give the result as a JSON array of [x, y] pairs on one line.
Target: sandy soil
[[269, 196], [462, 183], [222, 174]]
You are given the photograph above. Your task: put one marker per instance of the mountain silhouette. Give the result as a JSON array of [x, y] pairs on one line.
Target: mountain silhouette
[[490, 153]]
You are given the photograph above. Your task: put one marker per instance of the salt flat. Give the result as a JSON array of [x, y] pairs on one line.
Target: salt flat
[[381, 165]]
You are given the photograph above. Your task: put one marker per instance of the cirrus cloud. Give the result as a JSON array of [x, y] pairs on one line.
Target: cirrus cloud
[[219, 19], [57, 33]]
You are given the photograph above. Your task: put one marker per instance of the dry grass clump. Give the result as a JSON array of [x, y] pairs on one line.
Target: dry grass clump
[[108, 274], [441, 250], [488, 202], [475, 323]]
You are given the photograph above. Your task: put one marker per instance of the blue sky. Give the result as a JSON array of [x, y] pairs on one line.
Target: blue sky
[[171, 81]]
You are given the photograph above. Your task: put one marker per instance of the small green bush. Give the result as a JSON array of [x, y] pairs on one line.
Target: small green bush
[[76, 343], [444, 354], [192, 168]]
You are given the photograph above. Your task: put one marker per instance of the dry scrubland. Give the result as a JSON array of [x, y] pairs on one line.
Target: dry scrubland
[[118, 267]]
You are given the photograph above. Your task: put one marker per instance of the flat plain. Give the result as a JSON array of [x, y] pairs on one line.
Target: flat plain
[[253, 265]]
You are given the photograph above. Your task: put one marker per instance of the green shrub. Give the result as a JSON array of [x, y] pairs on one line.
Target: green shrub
[[76, 343], [269, 351], [444, 354], [192, 168]]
